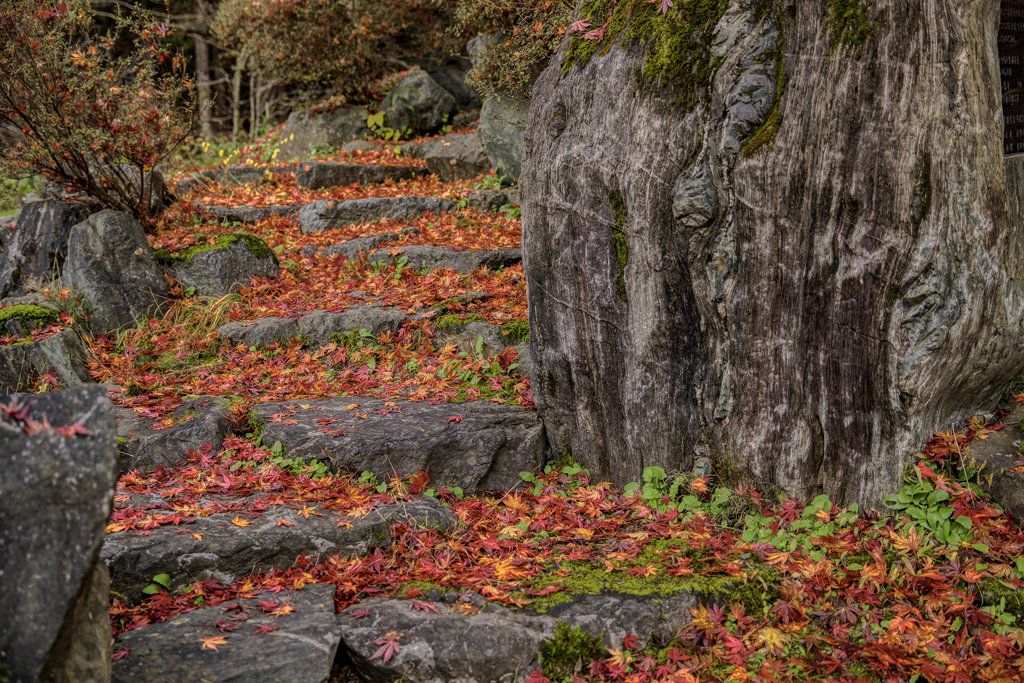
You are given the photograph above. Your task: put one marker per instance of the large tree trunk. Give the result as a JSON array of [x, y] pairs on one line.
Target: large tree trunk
[[809, 309]]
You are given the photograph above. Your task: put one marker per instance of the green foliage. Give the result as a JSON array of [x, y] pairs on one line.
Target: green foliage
[[82, 117], [528, 34], [511, 210], [927, 508], [12, 190], [491, 181], [568, 652], [161, 582], [848, 22], [678, 51], [315, 469]]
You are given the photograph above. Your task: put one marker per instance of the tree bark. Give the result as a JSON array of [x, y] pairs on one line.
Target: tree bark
[[202, 57], [236, 95], [809, 310]]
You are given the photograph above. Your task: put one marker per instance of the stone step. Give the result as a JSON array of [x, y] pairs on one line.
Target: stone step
[[234, 176], [504, 645], [475, 446], [145, 443], [226, 552], [248, 214], [317, 327], [329, 214], [352, 247], [316, 175], [257, 646], [427, 257]]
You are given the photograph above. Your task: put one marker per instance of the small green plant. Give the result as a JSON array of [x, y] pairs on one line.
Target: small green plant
[[315, 469], [491, 181], [161, 582], [370, 479], [568, 652], [927, 508], [511, 210]]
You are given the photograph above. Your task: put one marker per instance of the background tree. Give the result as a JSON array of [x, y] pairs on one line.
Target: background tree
[[81, 117]]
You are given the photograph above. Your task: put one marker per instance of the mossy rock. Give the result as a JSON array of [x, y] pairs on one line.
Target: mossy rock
[[453, 322], [24, 318], [568, 652], [257, 247], [517, 332]]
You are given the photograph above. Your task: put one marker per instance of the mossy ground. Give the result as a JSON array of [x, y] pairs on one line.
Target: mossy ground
[[256, 246], [849, 22]]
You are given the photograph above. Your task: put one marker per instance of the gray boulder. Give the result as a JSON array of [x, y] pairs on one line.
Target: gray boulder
[[303, 131], [262, 331], [450, 74], [56, 494], [502, 124], [419, 102], [320, 326], [317, 174], [227, 552], [197, 421], [505, 645], [995, 458], [111, 264], [64, 353], [37, 246], [422, 256], [486, 447], [247, 214], [328, 214], [465, 119], [352, 247], [226, 266], [298, 648], [457, 157]]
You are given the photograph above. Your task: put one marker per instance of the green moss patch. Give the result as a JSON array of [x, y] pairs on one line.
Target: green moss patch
[[765, 135], [849, 22], [678, 42], [517, 332], [621, 252], [256, 246], [568, 652], [35, 317], [453, 321]]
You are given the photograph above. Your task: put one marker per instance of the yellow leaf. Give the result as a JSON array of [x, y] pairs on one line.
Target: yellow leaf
[[770, 637], [211, 642], [238, 521], [198, 537], [586, 534], [351, 406]]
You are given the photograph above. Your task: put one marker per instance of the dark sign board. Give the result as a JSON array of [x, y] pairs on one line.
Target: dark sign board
[[1011, 70]]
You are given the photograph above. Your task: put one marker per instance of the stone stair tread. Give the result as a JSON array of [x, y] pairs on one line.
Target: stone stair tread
[[299, 648], [226, 552], [485, 447], [996, 458], [321, 174], [317, 326]]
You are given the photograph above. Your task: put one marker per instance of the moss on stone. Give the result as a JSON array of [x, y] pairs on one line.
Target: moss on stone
[[995, 593], [453, 321], [34, 316], [516, 332], [621, 251], [256, 246], [848, 22], [765, 135], [678, 42], [568, 652]]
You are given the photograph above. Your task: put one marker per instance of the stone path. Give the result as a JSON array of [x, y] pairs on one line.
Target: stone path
[[475, 445]]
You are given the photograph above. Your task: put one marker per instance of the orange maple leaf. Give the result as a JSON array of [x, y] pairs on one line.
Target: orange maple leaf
[[211, 642]]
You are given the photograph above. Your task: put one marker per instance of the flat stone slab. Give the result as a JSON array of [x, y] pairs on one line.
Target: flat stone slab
[[426, 257], [317, 328], [227, 552], [465, 637], [229, 177], [488, 200], [476, 445], [328, 214], [353, 247], [996, 456], [63, 353], [148, 445], [316, 175], [248, 214], [258, 646]]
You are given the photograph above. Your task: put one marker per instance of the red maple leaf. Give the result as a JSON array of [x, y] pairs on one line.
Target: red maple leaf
[[663, 7], [579, 26], [422, 607], [359, 613], [264, 628], [388, 646], [455, 418]]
